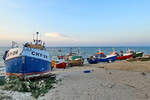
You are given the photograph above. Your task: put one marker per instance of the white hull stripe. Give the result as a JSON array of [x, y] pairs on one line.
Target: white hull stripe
[[35, 53]]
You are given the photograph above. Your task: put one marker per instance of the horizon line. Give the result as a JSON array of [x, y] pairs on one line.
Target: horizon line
[[90, 46]]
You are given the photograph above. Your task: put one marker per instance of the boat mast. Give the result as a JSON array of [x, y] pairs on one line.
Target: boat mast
[[37, 33], [60, 53], [78, 51], [70, 51]]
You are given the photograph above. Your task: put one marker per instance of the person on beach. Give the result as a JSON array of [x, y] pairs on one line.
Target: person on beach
[[121, 53], [53, 64]]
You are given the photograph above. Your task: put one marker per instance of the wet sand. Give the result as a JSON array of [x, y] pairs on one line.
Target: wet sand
[[120, 80]]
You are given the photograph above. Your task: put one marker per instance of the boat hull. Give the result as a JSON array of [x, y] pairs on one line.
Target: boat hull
[[138, 54], [28, 63], [78, 62], [92, 61], [108, 59], [105, 59], [61, 65], [124, 57]]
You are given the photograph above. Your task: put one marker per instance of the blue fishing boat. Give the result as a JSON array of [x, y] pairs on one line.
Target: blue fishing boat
[[108, 58], [101, 57], [30, 60]]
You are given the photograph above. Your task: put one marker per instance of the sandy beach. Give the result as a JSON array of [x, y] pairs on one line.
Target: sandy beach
[[120, 80], [102, 46]]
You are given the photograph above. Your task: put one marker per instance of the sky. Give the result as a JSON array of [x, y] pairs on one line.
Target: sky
[[76, 22]]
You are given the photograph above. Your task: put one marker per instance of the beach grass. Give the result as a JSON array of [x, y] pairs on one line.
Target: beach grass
[[2, 81], [37, 87]]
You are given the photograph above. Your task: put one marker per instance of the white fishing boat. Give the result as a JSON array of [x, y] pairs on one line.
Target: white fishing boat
[[30, 60]]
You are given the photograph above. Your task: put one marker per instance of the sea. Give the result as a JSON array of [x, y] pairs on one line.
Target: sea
[[85, 52]]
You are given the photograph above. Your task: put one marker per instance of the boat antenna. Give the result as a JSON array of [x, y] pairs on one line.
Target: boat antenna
[[40, 38], [37, 33]]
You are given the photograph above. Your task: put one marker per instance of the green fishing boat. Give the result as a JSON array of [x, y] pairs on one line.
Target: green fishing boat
[[138, 54], [74, 59]]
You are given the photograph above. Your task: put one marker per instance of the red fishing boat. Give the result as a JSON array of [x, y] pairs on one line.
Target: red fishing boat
[[123, 56], [60, 62], [61, 65]]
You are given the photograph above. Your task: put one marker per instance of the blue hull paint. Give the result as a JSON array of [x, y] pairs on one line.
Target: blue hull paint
[[96, 60], [28, 65], [92, 61], [107, 59], [14, 65]]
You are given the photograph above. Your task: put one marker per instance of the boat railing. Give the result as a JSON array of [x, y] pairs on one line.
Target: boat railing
[[14, 44]]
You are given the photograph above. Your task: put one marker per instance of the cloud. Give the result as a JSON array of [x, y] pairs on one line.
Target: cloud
[[54, 35], [59, 37]]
